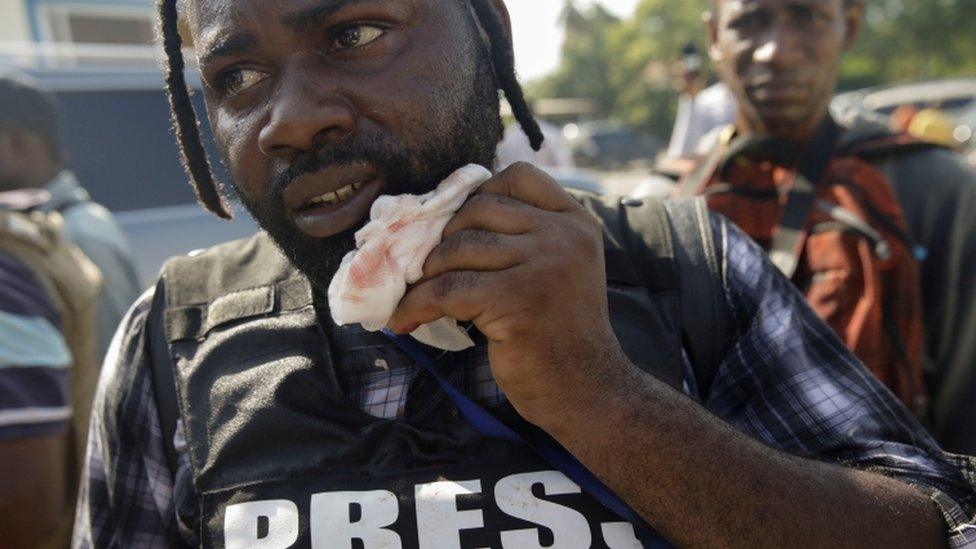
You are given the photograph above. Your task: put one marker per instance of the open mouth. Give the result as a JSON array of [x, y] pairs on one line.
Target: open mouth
[[330, 213], [334, 198]]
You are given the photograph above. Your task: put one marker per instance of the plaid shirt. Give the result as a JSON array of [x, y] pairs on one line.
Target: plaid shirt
[[787, 381]]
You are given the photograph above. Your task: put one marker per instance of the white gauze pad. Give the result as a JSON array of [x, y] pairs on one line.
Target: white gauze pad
[[392, 249]]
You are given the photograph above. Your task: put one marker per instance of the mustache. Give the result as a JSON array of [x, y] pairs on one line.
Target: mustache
[[379, 153]]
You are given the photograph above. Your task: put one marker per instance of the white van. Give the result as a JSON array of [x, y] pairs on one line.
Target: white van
[[117, 133]]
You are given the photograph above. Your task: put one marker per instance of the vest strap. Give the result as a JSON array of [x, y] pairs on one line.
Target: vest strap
[[534, 438]]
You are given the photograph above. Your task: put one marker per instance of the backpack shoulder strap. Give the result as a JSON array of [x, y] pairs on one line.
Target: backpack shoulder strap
[[701, 264], [694, 183], [164, 382], [787, 244], [693, 264]]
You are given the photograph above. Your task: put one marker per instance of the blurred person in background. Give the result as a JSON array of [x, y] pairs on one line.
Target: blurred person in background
[[877, 228], [700, 109], [48, 372], [31, 158]]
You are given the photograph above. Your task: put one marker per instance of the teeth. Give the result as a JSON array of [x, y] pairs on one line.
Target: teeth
[[338, 196]]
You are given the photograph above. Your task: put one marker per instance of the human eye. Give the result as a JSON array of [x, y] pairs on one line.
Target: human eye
[[809, 15], [236, 81], [356, 36], [751, 20]]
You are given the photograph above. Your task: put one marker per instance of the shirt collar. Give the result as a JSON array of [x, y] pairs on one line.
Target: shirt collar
[[65, 191]]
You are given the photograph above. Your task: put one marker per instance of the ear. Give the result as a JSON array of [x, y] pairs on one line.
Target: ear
[[12, 153], [19, 142], [6, 148], [711, 24], [853, 20]]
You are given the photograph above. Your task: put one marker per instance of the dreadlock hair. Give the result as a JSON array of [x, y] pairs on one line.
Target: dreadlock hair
[[187, 125], [503, 59], [185, 121]]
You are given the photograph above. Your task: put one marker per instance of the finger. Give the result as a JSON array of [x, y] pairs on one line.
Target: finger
[[495, 213], [531, 185], [461, 295], [477, 250]]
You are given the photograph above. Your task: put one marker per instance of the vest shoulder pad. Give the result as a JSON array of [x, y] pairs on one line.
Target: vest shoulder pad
[[637, 240], [237, 267]]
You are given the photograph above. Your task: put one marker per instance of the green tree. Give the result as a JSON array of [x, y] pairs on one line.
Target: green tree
[[624, 65], [586, 58], [646, 47], [912, 39]]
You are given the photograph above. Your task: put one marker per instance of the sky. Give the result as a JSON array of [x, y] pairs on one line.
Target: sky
[[537, 33]]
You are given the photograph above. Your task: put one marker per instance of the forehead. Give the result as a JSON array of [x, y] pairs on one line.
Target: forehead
[[210, 17], [734, 6]]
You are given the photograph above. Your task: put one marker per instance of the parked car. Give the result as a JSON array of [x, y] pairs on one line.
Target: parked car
[[955, 97], [610, 146], [117, 134], [952, 96], [574, 178]]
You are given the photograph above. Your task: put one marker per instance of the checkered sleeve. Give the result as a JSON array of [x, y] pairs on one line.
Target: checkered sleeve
[[126, 494], [790, 382]]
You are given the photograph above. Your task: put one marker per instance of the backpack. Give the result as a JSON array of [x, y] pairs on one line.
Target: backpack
[[72, 283], [839, 233]]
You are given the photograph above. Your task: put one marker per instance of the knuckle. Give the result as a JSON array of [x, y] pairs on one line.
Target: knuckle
[[467, 242], [480, 239], [449, 284], [589, 220], [481, 207], [520, 167], [449, 247], [521, 172], [475, 203], [443, 286], [494, 201], [585, 237], [592, 228]]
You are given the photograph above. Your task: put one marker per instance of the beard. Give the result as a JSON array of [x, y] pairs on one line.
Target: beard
[[467, 133]]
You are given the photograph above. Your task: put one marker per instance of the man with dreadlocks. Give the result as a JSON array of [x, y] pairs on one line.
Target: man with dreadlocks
[[234, 413]]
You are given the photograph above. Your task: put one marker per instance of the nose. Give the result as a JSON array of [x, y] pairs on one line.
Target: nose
[[780, 48], [305, 113]]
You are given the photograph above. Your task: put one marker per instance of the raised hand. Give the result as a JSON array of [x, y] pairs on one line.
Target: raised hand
[[523, 261]]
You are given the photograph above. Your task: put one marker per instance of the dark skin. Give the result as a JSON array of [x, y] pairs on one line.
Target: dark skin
[[26, 160], [33, 483], [551, 347], [780, 58]]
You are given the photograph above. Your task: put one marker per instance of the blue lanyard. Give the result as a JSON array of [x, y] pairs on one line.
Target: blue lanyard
[[541, 443]]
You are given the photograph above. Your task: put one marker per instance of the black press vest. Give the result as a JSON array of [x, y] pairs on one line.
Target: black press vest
[[281, 458]]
